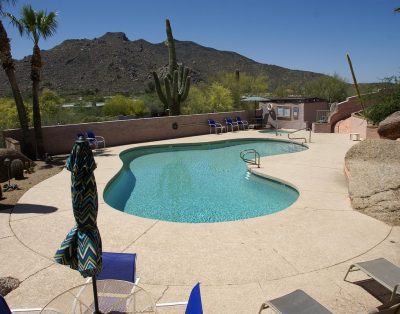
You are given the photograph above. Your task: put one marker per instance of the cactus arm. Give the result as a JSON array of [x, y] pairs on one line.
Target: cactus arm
[[181, 77], [171, 48], [159, 89], [186, 89], [168, 93], [175, 87]]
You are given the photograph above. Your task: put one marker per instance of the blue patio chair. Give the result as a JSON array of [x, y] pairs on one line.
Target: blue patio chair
[[230, 123], [80, 134], [217, 126], [95, 140], [4, 309], [119, 266], [242, 123], [193, 305]]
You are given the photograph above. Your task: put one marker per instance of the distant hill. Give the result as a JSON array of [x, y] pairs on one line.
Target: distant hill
[[113, 63]]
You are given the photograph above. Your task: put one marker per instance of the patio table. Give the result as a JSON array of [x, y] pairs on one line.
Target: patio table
[[115, 296]]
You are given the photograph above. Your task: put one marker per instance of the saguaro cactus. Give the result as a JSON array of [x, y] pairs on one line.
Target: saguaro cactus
[[355, 81], [176, 83]]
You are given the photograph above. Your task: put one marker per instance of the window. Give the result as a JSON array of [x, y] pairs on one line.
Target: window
[[283, 112], [296, 113]]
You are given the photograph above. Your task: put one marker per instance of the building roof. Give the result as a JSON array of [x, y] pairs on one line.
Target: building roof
[[293, 99]]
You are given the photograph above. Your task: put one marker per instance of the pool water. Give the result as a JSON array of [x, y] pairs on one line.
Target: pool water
[[198, 183]]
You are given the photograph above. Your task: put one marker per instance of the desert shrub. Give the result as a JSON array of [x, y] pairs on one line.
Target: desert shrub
[[243, 85], [8, 116], [220, 98], [121, 105], [385, 102], [332, 88], [196, 102], [50, 107]]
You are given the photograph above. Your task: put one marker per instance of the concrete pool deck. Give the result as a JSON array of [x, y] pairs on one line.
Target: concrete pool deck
[[308, 246]]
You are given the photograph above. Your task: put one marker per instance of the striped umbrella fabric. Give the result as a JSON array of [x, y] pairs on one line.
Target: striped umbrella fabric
[[82, 249]]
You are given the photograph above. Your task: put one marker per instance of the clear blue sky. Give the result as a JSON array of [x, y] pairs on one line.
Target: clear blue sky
[[311, 35]]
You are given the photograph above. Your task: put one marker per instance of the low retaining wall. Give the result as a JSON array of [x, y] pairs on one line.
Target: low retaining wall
[[344, 110], [321, 127], [356, 124], [59, 139]]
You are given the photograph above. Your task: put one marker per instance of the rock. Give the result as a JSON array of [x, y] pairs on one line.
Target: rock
[[8, 284], [390, 127], [374, 178], [11, 154]]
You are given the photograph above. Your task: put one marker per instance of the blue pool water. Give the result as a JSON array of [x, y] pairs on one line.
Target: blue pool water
[[198, 182]]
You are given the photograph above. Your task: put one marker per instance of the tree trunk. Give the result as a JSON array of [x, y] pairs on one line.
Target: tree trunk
[[8, 66], [36, 64]]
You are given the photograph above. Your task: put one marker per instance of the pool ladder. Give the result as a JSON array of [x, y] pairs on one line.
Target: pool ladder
[[252, 161], [300, 138]]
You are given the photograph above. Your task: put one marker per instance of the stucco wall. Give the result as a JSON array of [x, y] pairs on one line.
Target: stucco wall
[[307, 113], [310, 111], [359, 125], [321, 127], [59, 139], [287, 124], [344, 110]]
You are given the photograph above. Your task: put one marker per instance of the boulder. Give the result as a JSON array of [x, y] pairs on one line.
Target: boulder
[[11, 154], [8, 284], [373, 168], [390, 127]]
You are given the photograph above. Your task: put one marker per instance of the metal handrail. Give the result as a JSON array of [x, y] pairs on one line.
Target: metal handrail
[[300, 138], [255, 161]]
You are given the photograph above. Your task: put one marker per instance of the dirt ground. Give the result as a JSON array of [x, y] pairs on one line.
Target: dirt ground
[[43, 170]]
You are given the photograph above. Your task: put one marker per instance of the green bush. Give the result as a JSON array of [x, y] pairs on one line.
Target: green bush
[[332, 88], [220, 98], [385, 102], [196, 102], [121, 105], [8, 116]]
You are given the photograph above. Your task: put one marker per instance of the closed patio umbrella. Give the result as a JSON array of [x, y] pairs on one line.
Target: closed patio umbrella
[[256, 99], [81, 249]]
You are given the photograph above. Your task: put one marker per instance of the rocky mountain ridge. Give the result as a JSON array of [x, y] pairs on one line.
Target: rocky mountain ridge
[[113, 64]]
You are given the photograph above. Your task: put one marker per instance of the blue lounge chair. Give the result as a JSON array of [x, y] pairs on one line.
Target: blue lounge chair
[[95, 140], [230, 123], [242, 123], [193, 305], [217, 126]]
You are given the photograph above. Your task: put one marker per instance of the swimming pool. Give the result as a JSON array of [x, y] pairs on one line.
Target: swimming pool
[[198, 183]]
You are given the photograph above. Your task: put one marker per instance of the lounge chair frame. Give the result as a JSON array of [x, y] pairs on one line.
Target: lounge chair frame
[[296, 302], [231, 123], [216, 125], [382, 271], [242, 123]]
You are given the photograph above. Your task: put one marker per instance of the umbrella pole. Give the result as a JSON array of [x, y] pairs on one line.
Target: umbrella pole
[[96, 300]]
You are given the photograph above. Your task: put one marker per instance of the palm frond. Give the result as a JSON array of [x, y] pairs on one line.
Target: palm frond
[[397, 10], [3, 2], [48, 24], [16, 23]]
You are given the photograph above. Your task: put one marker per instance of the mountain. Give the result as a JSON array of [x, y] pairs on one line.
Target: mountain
[[114, 64]]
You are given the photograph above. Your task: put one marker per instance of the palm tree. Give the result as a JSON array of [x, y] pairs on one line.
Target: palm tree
[[36, 24], [8, 66], [397, 10]]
